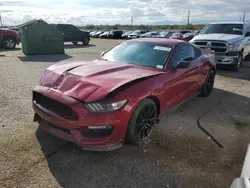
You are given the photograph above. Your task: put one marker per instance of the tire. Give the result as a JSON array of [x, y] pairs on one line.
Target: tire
[[208, 84], [85, 41], [238, 64], [139, 128], [75, 43], [9, 43]]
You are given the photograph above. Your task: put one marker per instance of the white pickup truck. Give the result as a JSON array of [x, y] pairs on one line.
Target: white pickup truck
[[229, 40]]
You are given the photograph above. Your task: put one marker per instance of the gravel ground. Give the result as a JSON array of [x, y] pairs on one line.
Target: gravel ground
[[178, 155]]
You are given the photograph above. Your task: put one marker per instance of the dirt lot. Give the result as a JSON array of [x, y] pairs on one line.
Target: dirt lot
[[178, 155]]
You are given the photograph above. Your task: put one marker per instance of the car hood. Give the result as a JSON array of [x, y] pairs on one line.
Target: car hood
[[93, 81], [231, 39]]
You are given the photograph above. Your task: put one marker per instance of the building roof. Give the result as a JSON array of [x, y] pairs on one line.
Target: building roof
[[28, 23]]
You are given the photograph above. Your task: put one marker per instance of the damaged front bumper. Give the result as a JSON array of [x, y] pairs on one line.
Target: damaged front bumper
[[97, 132]]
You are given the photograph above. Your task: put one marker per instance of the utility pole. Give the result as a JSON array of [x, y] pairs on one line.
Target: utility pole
[[1, 21], [188, 17], [244, 15], [132, 19]]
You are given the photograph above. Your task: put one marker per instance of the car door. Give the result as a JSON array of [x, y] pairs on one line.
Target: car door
[[76, 34], [64, 30], [183, 82]]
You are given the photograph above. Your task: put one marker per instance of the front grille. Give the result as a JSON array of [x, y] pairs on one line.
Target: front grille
[[57, 107], [217, 47]]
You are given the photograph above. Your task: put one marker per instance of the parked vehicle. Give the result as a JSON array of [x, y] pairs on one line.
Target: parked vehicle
[[104, 35], [184, 31], [229, 40], [115, 34], [151, 34], [92, 32], [125, 35], [97, 104], [196, 32], [73, 34], [178, 36], [188, 36], [243, 181], [166, 34], [136, 34], [9, 38], [97, 34]]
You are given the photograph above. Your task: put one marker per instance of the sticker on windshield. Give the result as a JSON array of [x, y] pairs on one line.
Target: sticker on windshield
[[159, 66], [162, 48]]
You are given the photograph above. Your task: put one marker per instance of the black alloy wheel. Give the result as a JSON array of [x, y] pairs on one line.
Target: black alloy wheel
[[208, 85], [142, 122]]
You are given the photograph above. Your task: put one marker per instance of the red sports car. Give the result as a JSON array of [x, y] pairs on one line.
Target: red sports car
[[119, 97]]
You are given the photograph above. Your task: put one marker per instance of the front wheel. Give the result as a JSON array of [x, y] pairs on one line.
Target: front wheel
[[9, 43], [208, 84], [238, 63], [85, 41], [141, 123]]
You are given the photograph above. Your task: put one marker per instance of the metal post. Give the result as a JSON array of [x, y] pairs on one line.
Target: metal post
[[188, 17], [1, 22]]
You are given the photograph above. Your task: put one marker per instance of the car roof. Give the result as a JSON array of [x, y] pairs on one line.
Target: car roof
[[229, 22], [171, 42]]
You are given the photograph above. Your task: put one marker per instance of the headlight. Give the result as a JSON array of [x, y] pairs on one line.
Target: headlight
[[105, 107], [233, 48]]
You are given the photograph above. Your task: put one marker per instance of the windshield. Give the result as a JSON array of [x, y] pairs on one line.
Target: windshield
[[139, 53], [232, 29]]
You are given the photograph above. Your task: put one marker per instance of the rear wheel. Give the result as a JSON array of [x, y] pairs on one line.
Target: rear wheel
[[9, 43], [85, 41], [141, 123], [208, 84], [75, 43]]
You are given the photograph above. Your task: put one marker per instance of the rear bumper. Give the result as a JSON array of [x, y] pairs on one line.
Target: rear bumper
[[73, 130]]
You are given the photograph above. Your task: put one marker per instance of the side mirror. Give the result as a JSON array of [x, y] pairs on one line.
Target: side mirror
[[247, 34], [102, 54], [183, 64]]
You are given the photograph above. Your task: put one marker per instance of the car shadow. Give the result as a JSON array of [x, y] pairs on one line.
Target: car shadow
[[242, 73], [167, 152], [45, 58], [69, 46], [7, 50]]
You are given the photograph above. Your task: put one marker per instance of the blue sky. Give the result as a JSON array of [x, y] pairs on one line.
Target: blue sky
[[82, 12]]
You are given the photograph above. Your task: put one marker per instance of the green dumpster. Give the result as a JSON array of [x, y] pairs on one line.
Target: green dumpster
[[39, 38]]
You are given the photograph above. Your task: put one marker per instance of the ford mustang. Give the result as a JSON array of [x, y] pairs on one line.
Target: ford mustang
[[118, 98]]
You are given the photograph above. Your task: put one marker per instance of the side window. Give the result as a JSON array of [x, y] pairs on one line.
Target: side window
[[197, 52], [71, 28], [185, 52]]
